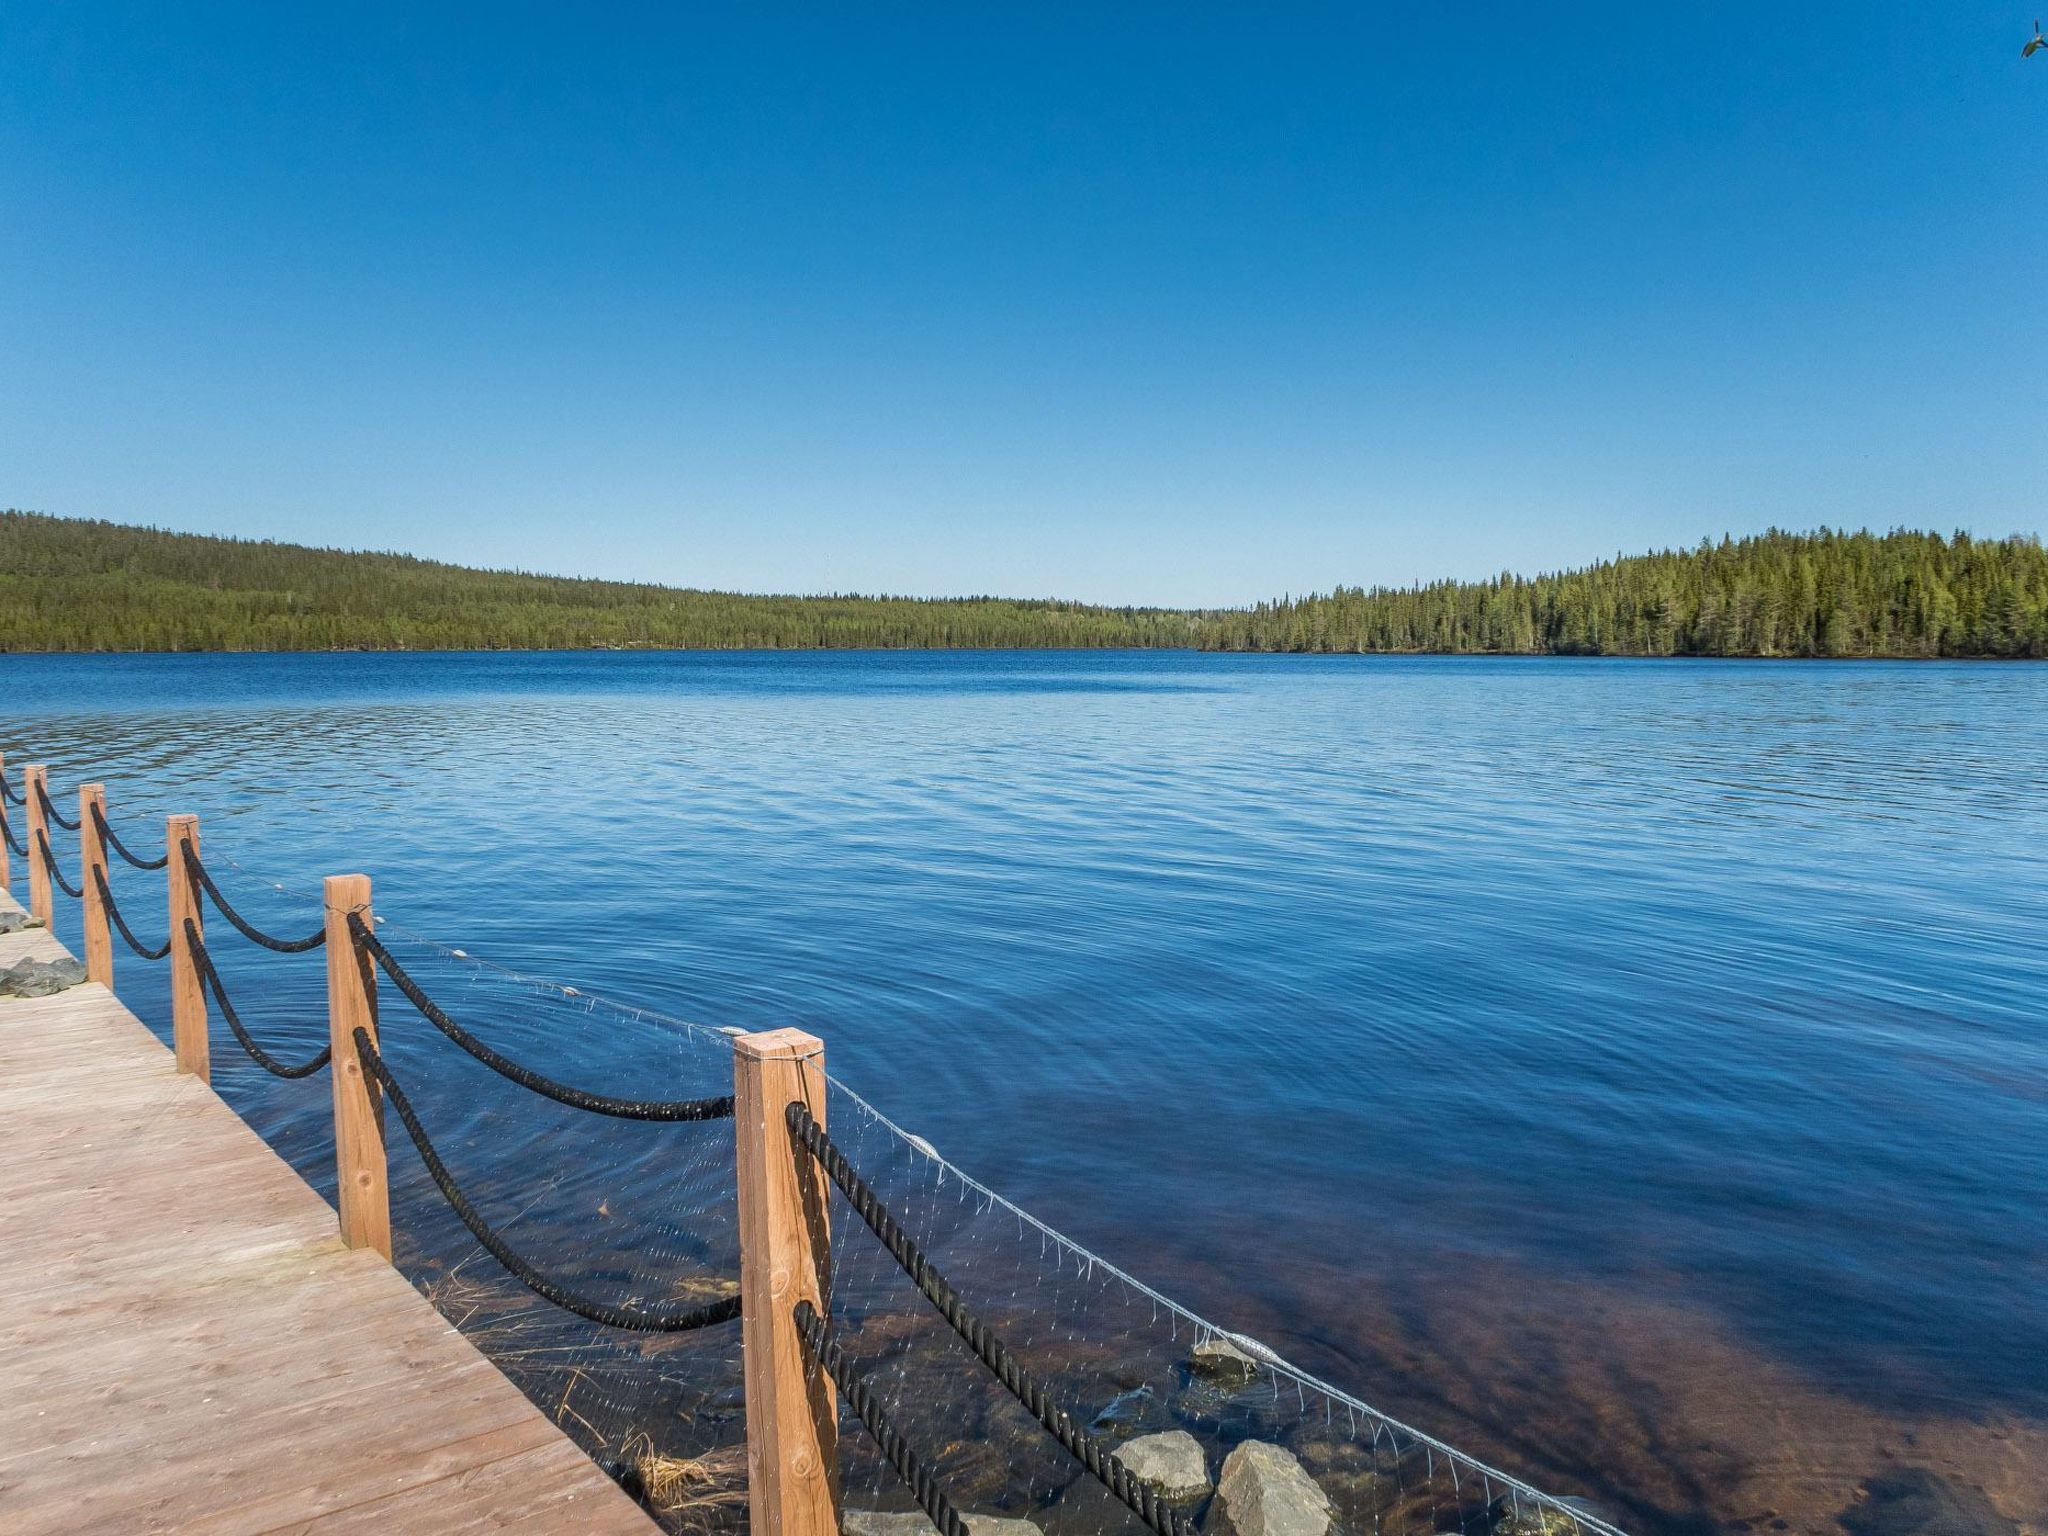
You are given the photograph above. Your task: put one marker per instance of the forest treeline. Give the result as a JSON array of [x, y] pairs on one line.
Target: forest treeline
[[1778, 594], [76, 585]]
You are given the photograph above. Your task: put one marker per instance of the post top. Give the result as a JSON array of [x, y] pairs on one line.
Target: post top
[[182, 818], [94, 788], [778, 1045]]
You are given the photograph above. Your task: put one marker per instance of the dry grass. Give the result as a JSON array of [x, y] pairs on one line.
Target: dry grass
[[694, 1492]]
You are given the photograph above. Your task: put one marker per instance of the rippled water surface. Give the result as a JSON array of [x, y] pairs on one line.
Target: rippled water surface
[[1634, 1071]]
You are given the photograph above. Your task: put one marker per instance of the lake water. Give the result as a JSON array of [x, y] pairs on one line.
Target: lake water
[[1633, 1072]]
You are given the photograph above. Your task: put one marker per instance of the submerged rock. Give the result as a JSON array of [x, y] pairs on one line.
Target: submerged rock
[[1526, 1517], [863, 1522], [40, 978], [1172, 1463], [1220, 1360], [18, 922], [1265, 1492]]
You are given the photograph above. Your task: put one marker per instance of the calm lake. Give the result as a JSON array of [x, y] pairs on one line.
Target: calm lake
[[1632, 1072]]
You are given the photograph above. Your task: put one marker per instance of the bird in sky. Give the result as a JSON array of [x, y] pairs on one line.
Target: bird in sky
[[2036, 44]]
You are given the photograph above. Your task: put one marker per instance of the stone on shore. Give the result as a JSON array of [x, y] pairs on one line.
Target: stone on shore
[[1265, 1492], [1172, 1463], [16, 922], [40, 978]]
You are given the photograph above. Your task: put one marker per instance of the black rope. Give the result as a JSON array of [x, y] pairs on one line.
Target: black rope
[[819, 1345], [283, 946], [12, 841], [1141, 1499], [261, 1057], [49, 810], [99, 877], [9, 792], [526, 1077], [654, 1320], [113, 841], [50, 862]]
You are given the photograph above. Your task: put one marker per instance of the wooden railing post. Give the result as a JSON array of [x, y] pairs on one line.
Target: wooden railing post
[[35, 780], [188, 998], [6, 859], [361, 1190], [785, 1254], [92, 872]]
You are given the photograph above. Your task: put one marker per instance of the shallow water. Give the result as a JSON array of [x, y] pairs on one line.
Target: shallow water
[[1632, 1071]]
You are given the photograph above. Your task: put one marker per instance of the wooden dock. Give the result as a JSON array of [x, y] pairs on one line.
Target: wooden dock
[[187, 1345]]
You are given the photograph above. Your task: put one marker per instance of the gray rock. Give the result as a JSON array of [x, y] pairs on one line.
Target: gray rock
[[16, 922], [1265, 1492], [862, 1522], [1222, 1361], [1171, 1462], [40, 978]]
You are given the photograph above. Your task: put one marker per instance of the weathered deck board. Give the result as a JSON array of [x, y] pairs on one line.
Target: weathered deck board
[[185, 1344]]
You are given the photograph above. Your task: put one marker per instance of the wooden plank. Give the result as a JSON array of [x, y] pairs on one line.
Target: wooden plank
[[35, 781], [188, 998], [92, 861], [14, 826], [785, 1251], [362, 1176], [188, 1344]]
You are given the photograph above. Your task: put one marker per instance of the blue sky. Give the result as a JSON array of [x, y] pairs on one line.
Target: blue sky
[[1181, 304]]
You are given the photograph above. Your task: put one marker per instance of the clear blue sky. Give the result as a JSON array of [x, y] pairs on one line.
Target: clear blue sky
[[1181, 304]]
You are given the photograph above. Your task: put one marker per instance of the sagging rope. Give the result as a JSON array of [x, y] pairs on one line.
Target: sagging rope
[[99, 877], [10, 793], [283, 946], [654, 1320], [13, 842], [1138, 1497], [269, 1063], [50, 863], [821, 1347], [526, 1077], [113, 841], [51, 811]]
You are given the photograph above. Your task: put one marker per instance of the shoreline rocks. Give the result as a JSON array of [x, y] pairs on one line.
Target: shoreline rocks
[[1264, 1491], [40, 978], [1172, 1463]]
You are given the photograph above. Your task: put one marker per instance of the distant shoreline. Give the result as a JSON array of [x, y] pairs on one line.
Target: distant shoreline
[[77, 587]]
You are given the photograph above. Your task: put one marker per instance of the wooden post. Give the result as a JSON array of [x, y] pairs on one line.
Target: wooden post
[[6, 861], [92, 870], [785, 1253], [361, 1190], [35, 780], [188, 998]]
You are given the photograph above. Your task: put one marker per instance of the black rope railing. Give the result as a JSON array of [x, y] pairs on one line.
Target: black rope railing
[[647, 1320], [10, 794], [50, 863], [99, 879], [7, 828], [203, 962], [1141, 1499], [576, 1098], [51, 811], [113, 841], [924, 1487], [248, 930]]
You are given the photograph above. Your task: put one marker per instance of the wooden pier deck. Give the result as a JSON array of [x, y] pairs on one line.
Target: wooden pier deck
[[186, 1344]]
